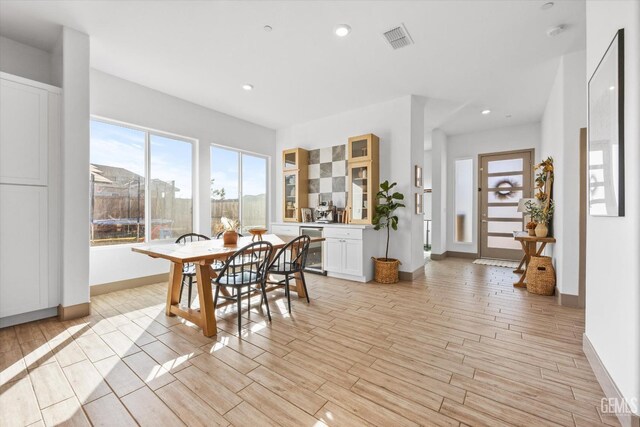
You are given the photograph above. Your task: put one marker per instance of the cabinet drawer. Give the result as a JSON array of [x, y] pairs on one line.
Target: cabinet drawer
[[343, 233], [285, 230]]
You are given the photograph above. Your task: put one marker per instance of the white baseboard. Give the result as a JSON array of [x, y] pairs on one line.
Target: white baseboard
[[609, 387]]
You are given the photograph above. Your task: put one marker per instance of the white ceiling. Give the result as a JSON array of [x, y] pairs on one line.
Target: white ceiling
[[468, 55]]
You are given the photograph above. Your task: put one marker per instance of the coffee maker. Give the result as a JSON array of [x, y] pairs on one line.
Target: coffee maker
[[325, 212]]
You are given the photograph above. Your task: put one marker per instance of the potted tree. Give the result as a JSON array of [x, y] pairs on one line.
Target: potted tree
[[386, 269]]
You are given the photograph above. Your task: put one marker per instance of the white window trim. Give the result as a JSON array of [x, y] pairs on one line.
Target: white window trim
[[147, 170], [268, 178]]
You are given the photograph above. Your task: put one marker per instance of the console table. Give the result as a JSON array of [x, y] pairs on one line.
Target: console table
[[530, 248]]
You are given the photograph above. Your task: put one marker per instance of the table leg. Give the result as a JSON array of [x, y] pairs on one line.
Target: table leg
[[525, 258], [207, 312], [519, 270], [299, 286], [173, 290]]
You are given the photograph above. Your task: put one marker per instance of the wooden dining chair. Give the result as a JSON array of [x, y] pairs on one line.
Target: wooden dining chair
[[245, 268], [291, 260], [189, 269]]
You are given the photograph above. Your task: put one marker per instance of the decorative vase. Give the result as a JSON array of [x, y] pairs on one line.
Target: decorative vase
[[230, 237], [542, 230], [532, 231]]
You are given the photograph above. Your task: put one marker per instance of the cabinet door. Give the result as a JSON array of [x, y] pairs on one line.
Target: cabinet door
[[360, 148], [352, 257], [24, 248], [360, 192], [290, 197], [24, 130], [333, 255]]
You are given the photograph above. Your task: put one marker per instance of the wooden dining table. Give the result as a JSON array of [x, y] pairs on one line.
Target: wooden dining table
[[202, 254]]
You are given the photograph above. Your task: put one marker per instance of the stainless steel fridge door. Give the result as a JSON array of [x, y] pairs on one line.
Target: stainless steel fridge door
[[314, 257]]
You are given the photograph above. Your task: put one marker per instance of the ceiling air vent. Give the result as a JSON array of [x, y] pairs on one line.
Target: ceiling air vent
[[398, 37]]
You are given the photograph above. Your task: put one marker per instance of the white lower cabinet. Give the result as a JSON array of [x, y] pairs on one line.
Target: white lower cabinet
[[353, 257], [344, 256], [24, 245], [334, 255], [348, 251]]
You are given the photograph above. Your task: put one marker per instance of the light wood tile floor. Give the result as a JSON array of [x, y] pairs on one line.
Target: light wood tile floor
[[458, 347]]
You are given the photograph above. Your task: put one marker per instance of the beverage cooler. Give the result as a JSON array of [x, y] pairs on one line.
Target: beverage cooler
[[314, 257]]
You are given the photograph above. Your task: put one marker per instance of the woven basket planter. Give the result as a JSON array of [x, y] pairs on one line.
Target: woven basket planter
[[541, 276], [386, 270]]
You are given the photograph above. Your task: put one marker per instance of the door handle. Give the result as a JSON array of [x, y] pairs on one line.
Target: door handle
[[484, 220]]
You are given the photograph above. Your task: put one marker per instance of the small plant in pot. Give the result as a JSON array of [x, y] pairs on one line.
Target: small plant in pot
[[541, 215], [230, 226], [386, 269], [531, 228]]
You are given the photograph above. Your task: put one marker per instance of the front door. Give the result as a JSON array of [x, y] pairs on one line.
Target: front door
[[505, 178]]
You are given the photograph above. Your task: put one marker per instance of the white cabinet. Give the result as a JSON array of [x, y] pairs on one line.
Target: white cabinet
[[334, 255], [348, 252], [24, 245], [29, 199], [353, 257], [344, 256], [24, 132]]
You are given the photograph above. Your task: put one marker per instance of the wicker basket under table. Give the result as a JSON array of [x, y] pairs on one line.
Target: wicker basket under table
[[541, 276]]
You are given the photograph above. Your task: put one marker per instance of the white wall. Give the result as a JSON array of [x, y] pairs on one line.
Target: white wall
[[613, 244], [417, 159], [428, 183], [470, 145], [392, 122], [25, 61], [439, 195], [75, 159], [121, 100], [564, 115]]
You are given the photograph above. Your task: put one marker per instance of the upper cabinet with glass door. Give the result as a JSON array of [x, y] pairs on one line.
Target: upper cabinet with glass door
[[294, 159], [295, 163], [363, 170], [364, 147]]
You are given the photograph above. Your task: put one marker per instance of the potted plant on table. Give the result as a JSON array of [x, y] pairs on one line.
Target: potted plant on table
[[230, 226], [386, 269], [531, 227], [541, 215]]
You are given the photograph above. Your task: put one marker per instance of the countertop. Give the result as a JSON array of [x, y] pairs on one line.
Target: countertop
[[319, 224]]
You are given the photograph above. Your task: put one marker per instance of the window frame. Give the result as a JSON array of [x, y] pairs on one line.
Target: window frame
[[241, 152], [147, 178], [473, 201]]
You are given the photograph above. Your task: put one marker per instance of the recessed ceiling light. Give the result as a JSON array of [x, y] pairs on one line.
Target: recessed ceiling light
[[554, 31], [485, 112], [268, 28], [612, 88], [247, 86], [547, 6], [342, 30]]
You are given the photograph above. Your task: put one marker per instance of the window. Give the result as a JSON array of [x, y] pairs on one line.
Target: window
[[238, 188], [170, 187], [135, 175], [463, 201]]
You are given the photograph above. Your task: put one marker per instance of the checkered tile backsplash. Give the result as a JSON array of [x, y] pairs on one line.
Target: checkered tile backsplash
[[328, 176]]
